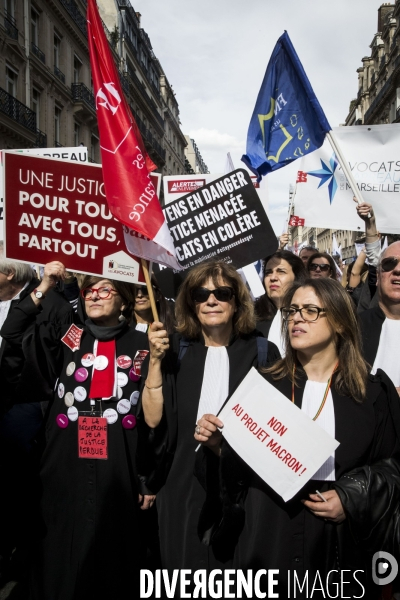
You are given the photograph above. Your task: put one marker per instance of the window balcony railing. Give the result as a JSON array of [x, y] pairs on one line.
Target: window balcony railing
[[17, 111], [81, 93], [75, 14], [59, 74], [37, 52], [9, 24], [139, 86], [41, 139], [124, 83]]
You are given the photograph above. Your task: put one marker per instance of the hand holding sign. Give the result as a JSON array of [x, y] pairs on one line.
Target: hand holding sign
[[53, 272], [207, 432], [331, 509]]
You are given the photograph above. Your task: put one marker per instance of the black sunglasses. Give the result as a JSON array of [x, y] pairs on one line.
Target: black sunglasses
[[315, 266], [143, 289], [389, 263], [222, 294]]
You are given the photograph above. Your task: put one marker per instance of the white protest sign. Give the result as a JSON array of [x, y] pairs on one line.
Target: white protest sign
[[273, 436], [323, 196]]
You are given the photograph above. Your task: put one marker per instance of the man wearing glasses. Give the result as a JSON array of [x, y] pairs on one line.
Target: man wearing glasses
[[381, 325]]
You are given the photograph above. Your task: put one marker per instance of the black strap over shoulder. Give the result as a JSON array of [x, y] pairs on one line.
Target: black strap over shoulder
[[183, 346]]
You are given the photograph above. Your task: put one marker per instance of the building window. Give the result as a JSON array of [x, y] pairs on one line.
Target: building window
[[143, 58], [57, 49], [36, 106], [11, 81], [77, 134], [94, 144], [57, 124], [10, 8], [34, 27], [77, 69]]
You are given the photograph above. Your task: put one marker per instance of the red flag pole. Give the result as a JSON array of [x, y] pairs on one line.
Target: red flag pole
[[153, 305]]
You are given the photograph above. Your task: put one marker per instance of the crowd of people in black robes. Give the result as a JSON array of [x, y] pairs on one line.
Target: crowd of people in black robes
[[172, 493]]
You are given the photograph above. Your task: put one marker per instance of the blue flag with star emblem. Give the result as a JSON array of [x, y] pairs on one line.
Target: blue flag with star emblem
[[288, 121]]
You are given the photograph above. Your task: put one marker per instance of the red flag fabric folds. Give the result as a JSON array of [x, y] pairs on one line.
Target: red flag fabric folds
[[130, 193]]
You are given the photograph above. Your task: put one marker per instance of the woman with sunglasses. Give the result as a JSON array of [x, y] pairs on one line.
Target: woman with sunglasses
[[91, 544], [142, 313], [324, 374], [214, 349], [321, 265], [281, 269]]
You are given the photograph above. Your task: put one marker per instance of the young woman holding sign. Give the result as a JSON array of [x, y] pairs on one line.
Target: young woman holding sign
[[324, 374]]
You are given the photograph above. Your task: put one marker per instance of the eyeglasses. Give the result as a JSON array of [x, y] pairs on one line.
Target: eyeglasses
[[103, 293], [143, 289], [389, 263], [307, 313], [316, 266], [222, 294]]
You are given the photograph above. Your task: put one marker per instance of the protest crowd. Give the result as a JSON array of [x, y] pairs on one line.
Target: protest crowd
[[169, 491], [212, 442]]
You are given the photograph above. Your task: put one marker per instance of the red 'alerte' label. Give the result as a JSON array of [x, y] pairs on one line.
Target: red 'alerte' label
[[184, 186]]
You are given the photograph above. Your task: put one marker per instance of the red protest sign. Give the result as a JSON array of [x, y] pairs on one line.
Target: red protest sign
[[92, 437], [296, 221], [57, 210]]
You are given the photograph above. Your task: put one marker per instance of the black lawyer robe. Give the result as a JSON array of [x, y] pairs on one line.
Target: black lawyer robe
[[92, 536], [180, 500], [288, 537]]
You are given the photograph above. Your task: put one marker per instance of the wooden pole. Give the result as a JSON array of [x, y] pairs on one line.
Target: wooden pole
[[145, 268]]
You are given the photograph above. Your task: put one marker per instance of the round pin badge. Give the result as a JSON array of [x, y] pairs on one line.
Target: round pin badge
[[120, 393], [129, 422], [61, 390], [80, 393], [100, 362], [122, 379], [111, 415], [133, 376], [62, 421], [87, 359], [123, 406], [134, 398], [72, 413], [70, 368], [69, 399], [124, 361], [81, 374]]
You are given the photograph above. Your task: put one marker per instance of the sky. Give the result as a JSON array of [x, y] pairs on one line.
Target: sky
[[215, 53]]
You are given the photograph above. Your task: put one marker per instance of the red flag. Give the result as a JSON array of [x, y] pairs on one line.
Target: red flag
[[296, 221], [130, 193]]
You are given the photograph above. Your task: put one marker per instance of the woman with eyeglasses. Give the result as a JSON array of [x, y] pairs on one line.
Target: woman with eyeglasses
[[214, 349], [315, 534], [281, 269], [92, 533], [142, 313], [321, 265]]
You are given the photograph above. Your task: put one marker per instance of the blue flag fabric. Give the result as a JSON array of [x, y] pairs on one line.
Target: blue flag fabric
[[288, 121]]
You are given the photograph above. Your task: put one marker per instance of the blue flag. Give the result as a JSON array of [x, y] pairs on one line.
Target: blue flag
[[288, 121]]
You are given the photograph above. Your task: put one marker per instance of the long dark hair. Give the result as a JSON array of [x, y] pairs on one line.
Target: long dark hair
[[351, 378], [164, 308], [265, 308]]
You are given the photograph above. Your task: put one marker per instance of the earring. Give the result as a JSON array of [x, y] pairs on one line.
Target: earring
[[121, 318]]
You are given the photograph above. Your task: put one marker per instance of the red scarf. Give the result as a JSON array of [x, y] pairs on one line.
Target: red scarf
[[102, 385]]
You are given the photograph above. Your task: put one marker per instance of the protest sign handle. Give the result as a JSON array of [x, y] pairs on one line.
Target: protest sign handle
[[145, 268], [345, 166]]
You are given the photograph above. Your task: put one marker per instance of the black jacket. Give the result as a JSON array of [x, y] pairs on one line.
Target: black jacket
[[371, 322], [21, 383]]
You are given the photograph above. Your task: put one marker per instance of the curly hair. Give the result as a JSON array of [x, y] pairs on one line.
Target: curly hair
[[342, 318], [188, 324]]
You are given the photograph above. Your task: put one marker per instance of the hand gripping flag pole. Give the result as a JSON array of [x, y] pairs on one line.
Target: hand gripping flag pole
[[288, 121]]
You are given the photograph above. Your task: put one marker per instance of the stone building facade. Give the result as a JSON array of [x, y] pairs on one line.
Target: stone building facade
[[46, 96], [194, 158]]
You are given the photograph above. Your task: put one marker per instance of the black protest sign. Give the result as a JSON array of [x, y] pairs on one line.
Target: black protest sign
[[223, 220]]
